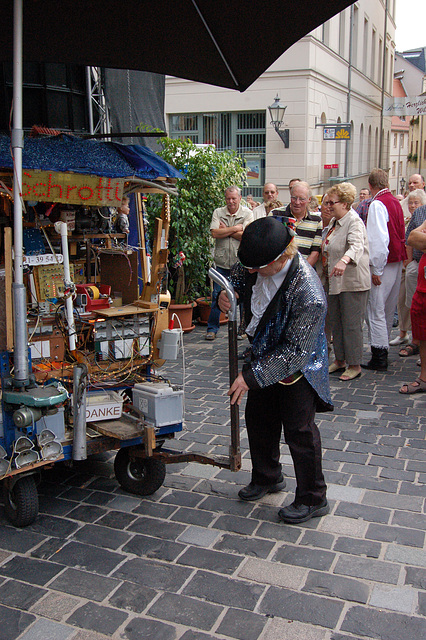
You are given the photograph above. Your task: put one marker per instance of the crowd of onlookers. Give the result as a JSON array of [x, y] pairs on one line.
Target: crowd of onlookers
[[368, 253]]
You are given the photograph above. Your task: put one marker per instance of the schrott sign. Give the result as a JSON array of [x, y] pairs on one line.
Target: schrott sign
[[72, 188]]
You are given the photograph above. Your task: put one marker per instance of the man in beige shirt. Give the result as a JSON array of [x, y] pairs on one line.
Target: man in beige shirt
[[227, 226]]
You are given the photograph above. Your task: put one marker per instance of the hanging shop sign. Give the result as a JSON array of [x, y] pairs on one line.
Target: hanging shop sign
[[405, 106], [72, 188], [336, 132]]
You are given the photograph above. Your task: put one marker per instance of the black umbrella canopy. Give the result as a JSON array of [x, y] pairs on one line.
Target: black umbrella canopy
[[228, 43]]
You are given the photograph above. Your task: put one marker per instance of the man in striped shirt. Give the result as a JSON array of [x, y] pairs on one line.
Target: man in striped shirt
[[308, 225]]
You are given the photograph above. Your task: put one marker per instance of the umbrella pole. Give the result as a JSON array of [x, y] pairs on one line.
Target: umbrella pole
[[19, 290]]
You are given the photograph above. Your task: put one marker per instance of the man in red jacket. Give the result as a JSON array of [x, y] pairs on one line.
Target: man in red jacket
[[386, 236]]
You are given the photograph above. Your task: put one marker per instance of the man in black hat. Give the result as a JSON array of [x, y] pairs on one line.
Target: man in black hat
[[287, 376]]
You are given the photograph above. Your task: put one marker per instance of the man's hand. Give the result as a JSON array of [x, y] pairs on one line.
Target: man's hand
[[223, 301], [238, 389], [376, 280]]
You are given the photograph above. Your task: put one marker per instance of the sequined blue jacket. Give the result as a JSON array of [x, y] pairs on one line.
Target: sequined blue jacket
[[290, 335]]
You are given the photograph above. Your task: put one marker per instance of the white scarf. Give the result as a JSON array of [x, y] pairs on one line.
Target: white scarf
[[262, 294]]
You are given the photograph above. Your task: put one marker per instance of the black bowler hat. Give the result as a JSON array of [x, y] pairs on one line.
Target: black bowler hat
[[263, 241]]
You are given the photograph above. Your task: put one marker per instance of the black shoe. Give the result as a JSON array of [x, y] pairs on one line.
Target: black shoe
[[379, 360], [255, 491], [295, 513]]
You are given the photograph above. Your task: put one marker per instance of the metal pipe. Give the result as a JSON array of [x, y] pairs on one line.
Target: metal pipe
[[62, 229], [234, 451], [79, 444], [21, 368], [382, 102]]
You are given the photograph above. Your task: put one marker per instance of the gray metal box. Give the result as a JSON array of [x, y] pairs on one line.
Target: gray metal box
[[159, 402]]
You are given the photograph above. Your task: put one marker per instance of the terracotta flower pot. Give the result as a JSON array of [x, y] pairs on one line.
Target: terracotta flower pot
[[184, 313], [204, 306]]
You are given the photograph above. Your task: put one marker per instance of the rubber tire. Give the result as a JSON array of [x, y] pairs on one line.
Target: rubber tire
[[21, 502], [142, 476]]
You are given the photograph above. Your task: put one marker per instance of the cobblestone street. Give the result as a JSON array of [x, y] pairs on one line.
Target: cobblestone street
[[192, 562]]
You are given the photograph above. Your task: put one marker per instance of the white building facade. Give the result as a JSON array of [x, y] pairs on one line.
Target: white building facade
[[333, 75]]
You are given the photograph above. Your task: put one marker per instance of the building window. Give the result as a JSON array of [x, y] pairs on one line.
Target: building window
[[394, 168], [365, 45], [244, 132], [395, 140], [373, 55]]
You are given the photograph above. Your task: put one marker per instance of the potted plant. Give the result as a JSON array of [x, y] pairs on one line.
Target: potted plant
[[207, 174]]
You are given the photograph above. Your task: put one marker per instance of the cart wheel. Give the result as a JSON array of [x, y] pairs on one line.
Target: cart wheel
[[142, 476], [21, 502]]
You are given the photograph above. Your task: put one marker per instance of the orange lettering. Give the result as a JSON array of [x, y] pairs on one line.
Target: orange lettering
[[26, 184], [38, 184]]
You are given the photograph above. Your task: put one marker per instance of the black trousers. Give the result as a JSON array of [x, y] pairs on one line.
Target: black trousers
[[292, 408]]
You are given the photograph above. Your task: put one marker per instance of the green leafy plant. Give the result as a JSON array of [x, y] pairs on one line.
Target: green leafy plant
[[207, 174]]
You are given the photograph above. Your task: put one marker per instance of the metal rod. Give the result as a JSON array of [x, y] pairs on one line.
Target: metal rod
[[21, 369], [62, 229], [79, 445], [234, 452]]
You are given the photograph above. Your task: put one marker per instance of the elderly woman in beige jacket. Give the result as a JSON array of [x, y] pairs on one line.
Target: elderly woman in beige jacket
[[346, 263]]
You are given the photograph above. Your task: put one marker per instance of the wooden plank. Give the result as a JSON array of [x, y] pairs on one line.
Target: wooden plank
[[8, 286], [119, 429], [128, 310], [29, 467]]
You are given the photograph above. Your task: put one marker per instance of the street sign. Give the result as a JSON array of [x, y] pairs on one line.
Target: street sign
[[336, 132]]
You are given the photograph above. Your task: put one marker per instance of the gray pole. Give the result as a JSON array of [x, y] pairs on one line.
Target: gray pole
[[348, 103], [383, 85]]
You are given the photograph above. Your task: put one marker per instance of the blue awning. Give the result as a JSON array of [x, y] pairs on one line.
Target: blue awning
[[91, 157]]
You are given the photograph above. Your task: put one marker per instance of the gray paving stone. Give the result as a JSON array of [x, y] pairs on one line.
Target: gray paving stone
[[245, 526], [416, 577], [406, 555], [31, 570], [200, 536], [226, 591], [97, 618], [13, 622], [189, 612], [141, 629], [193, 516], [117, 520], [182, 498], [317, 539], [86, 513], [398, 599], [244, 546], [348, 494], [421, 609], [243, 625], [154, 509], [124, 503], [101, 536], [153, 548], [19, 595], [274, 531], [367, 569], [18, 540], [412, 520], [375, 484], [326, 584], [212, 560], [55, 606], [383, 625], [391, 501], [370, 514], [52, 526], [358, 547], [400, 535], [196, 635], [301, 606], [304, 557], [132, 597], [84, 584], [157, 528], [47, 630], [87, 557], [153, 574]]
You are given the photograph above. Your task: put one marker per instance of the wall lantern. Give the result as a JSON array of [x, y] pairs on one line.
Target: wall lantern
[[402, 184], [277, 111]]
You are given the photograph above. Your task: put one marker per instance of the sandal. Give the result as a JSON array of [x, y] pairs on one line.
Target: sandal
[[335, 368], [410, 350], [418, 386], [350, 374]]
